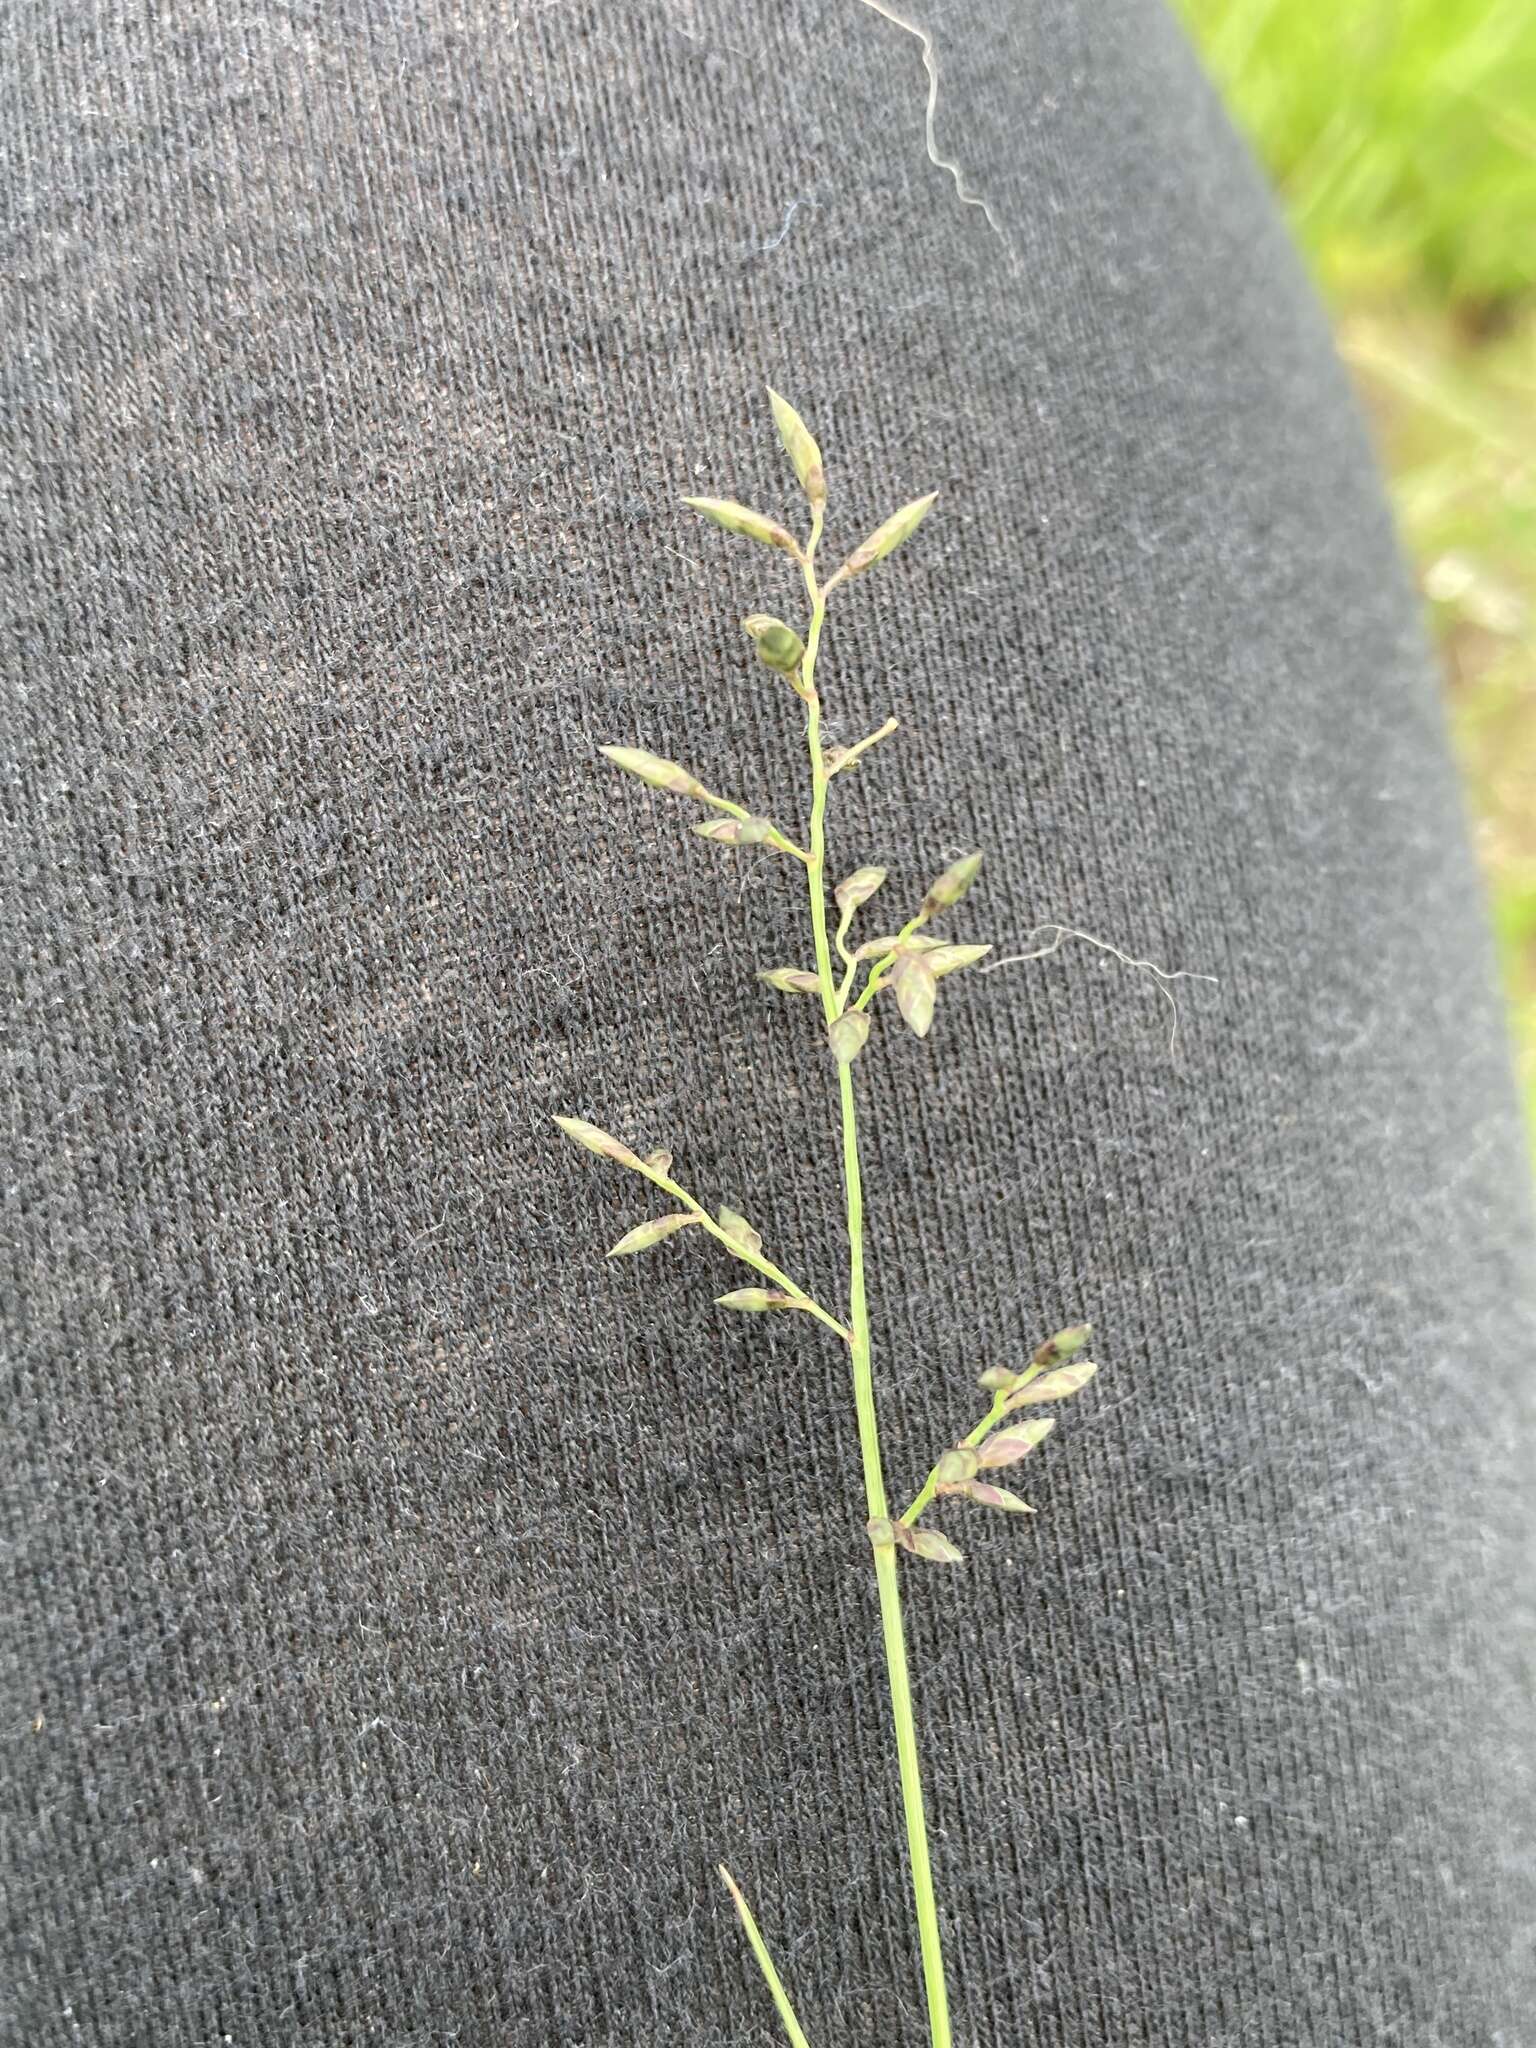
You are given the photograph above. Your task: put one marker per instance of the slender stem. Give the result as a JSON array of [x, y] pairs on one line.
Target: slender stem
[[816, 867], [765, 1963], [849, 959], [863, 746], [889, 1589], [886, 1581]]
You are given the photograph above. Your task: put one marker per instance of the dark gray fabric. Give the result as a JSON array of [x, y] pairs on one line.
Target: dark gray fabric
[[404, 1610]]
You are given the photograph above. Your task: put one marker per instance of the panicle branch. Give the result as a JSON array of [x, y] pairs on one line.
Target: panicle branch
[[1045, 1378], [731, 1230], [738, 828]]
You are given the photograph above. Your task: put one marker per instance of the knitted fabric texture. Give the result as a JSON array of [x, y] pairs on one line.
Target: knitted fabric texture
[[403, 1609]]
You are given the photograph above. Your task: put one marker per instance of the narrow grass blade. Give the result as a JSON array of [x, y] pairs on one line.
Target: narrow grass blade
[[792, 2026]]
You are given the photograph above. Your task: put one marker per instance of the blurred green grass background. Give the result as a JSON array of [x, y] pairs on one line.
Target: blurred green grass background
[[1401, 136]]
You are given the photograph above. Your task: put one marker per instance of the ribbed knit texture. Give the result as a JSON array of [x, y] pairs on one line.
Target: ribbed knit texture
[[404, 1610]]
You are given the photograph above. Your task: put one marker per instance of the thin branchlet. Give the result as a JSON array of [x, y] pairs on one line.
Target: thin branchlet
[[909, 964]]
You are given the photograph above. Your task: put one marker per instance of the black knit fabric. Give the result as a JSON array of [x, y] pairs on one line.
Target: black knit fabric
[[405, 1609]]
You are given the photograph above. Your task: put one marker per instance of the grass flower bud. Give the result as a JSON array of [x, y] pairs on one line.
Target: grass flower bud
[[950, 959], [651, 768], [846, 1035], [754, 1300], [899, 527], [915, 986], [644, 1235], [778, 646], [856, 891], [1009, 1445], [946, 892], [740, 1231], [1055, 1386], [990, 1496], [790, 981], [1065, 1344], [742, 519], [800, 446], [956, 1467], [588, 1135]]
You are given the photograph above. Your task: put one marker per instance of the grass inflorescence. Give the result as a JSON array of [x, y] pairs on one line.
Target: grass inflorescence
[[900, 974]]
